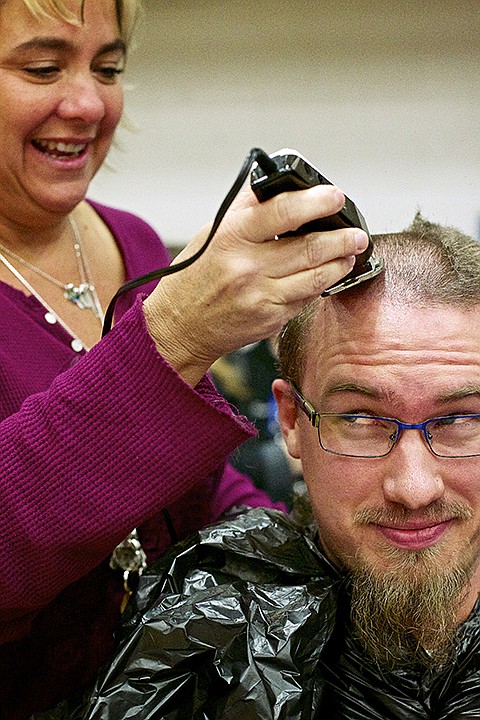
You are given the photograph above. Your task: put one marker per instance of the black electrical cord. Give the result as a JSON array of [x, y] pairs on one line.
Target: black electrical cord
[[255, 155], [267, 164]]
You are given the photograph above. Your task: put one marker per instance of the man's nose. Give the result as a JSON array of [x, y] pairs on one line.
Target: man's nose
[[82, 99], [413, 473]]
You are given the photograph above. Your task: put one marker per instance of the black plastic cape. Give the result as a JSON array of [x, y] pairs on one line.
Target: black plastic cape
[[247, 620]]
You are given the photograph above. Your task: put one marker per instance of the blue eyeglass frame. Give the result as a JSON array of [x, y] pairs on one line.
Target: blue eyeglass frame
[[314, 416]]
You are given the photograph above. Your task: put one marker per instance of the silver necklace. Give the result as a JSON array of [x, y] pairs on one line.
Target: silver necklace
[[51, 316], [83, 295]]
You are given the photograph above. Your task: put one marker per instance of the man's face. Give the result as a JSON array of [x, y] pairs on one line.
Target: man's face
[[410, 510]]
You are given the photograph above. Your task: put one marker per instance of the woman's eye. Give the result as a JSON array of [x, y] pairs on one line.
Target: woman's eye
[[110, 72], [41, 70]]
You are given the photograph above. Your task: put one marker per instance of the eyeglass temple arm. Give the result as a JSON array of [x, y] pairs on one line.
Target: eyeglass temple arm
[[303, 404]]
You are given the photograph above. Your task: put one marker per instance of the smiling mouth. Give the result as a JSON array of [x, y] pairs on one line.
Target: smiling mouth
[[415, 537], [55, 149]]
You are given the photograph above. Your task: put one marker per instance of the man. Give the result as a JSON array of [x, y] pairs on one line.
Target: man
[[373, 614], [396, 507]]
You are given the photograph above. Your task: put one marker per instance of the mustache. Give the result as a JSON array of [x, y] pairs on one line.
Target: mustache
[[437, 512]]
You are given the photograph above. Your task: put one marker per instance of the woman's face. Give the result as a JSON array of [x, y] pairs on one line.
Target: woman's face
[[60, 102]]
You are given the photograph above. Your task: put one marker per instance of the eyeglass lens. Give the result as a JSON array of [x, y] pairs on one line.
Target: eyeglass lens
[[365, 436]]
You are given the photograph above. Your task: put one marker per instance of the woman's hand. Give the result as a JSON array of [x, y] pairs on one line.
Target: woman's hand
[[249, 282]]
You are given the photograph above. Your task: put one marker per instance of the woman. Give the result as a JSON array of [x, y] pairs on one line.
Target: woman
[[101, 436]]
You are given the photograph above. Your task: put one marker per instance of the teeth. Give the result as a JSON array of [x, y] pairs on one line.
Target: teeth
[[71, 149]]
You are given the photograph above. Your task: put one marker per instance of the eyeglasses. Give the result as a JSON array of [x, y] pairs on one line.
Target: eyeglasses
[[369, 436]]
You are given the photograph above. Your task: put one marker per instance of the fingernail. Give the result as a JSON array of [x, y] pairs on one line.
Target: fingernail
[[361, 240]]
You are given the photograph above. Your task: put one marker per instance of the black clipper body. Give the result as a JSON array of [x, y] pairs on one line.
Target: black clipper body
[[291, 171]]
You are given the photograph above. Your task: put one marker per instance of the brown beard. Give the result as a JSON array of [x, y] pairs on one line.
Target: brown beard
[[406, 616]]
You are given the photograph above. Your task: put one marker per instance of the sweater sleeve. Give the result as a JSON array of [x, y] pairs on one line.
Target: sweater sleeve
[[113, 440]]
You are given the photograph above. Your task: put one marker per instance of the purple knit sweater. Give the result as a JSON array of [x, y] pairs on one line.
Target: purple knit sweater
[[92, 445]]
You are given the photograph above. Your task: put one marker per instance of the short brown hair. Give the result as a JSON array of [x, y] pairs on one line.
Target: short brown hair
[[425, 265]]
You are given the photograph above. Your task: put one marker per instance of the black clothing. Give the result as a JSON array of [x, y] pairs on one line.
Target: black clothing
[[249, 621]]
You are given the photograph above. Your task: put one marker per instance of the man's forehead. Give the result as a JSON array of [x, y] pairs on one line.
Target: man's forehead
[[343, 311], [350, 311], [379, 333]]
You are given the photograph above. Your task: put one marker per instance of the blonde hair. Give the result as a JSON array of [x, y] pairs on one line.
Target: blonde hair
[[127, 13]]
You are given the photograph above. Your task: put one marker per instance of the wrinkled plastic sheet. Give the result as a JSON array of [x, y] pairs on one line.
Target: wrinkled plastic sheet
[[231, 627], [245, 622]]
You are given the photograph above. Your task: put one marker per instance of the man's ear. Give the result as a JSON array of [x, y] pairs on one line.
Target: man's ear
[[287, 415]]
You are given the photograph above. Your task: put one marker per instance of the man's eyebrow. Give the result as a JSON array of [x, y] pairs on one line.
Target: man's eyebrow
[[353, 388], [367, 391], [458, 394], [54, 43], [461, 393]]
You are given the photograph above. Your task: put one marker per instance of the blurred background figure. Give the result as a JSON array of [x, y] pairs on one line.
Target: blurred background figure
[[245, 378]]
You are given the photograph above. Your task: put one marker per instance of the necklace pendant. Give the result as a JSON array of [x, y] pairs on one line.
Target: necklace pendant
[[81, 296]]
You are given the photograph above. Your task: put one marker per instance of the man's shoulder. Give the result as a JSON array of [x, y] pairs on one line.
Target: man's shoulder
[[271, 538], [253, 549], [239, 610]]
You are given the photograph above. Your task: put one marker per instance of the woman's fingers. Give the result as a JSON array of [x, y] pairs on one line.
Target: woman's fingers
[[283, 213], [249, 282], [287, 256]]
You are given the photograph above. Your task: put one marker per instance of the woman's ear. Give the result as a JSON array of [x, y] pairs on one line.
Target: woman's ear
[[287, 415]]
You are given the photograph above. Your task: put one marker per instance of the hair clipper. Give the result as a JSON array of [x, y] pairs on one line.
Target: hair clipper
[[287, 170]]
